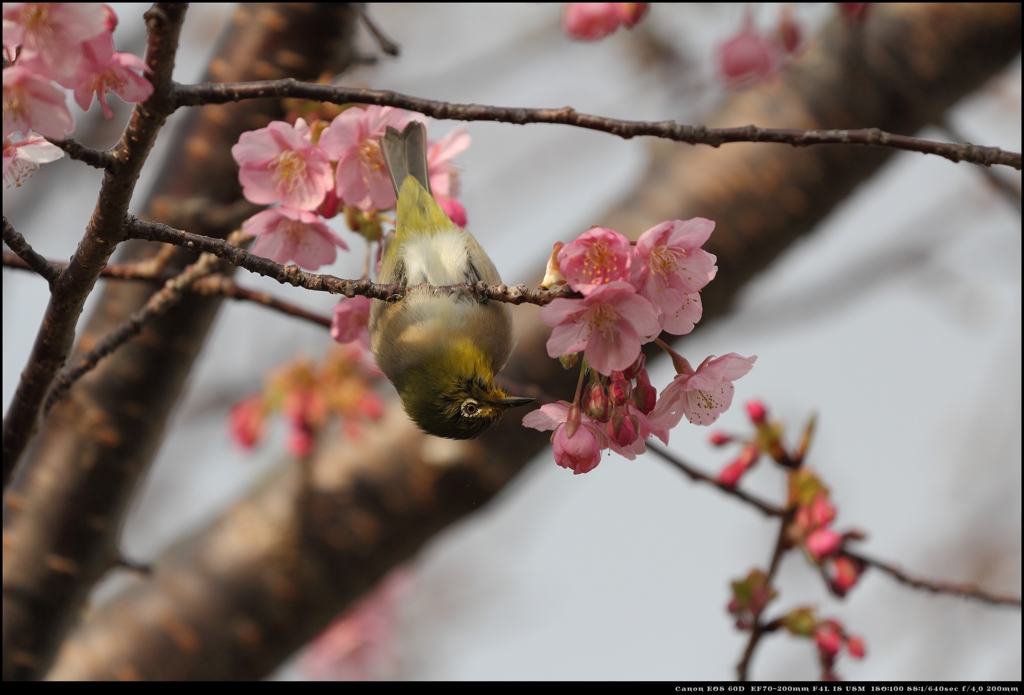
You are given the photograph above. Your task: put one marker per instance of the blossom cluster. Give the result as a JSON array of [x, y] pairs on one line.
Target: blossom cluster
[[752, 54], [829, 635], [312, 171], [52, 45], [630, 294], [309, 395], [811, 529]]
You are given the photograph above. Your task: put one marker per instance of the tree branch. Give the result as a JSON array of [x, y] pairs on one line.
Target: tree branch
[[104, 231], [203, 94], [293, 275], [29, 256], [100, 159], [969, 591]]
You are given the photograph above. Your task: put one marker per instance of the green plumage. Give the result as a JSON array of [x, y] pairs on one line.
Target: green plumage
[[440, 351]]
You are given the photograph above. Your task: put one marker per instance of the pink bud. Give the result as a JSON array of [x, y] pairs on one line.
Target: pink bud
[[828, 640], [855, 645], [847, 574], [720, 438], [572, 422], [634, 370], [622, 428], [757, 411], [599, 407], [731, 474], [332, 203], [620, 389], [788, 33], [645, 397], [822, 543], [246, 422]]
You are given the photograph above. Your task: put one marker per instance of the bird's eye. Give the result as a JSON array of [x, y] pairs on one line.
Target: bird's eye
[[470, 407]]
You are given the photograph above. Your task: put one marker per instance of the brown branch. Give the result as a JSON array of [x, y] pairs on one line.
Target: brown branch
[[100, 159], [104, 231], [226, 287], [208, 286], [969, 591], [158, 304], [32, 259], [767, 508], [760, 629], [293, 275], [385, 44], [203, 94]]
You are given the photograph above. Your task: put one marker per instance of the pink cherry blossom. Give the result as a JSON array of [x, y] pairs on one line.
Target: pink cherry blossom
[[670, 269], [580, 452], [32, 103], [280, 163], [352, 140], [286, 234], [25, 156], [593, 20], [351, 320], [51, 34], [702, 395], [103, 71], [597, 256], [747, 57], [609, 324], [444, 175]]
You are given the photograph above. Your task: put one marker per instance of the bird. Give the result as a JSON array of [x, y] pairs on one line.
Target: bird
[[441, 351]]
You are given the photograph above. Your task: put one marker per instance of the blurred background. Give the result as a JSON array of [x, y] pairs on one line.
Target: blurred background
[[897, 321]]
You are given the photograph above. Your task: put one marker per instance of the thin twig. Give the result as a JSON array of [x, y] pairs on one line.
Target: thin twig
[[222, 93], [766, 508], [32, 259], [101, 159], [159, 303], [759, 629], [225, 287], [217, 284], [385, 44], [293, 275], [936, 587]]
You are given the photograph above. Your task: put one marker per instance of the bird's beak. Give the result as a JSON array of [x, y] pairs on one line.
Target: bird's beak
[[514, 401]]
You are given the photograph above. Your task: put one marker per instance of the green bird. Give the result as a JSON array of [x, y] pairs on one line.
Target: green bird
[[440, 351]]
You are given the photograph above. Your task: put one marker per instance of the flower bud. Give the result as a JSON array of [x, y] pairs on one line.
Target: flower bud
[[720, 438], [757, 411], [569, 361], [623, 428], [572, 421], [828, 640], [634, 370], [855, 645], [599, 406], [645, 397], [553, 275], [620, 389]]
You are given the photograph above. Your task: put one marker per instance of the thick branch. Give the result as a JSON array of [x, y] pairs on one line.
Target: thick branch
[[53, 342], [201, 94]]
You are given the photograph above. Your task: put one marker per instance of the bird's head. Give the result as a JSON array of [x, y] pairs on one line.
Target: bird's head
[[453, 395]]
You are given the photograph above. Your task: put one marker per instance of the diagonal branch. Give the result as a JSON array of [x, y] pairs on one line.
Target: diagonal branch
[[32, 259], [969, 591], [202, 94], [104, 231]]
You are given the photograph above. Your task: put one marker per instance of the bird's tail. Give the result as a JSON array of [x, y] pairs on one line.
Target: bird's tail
[[405, 154]]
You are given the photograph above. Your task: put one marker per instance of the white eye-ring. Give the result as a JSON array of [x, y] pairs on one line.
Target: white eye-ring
[[470, 408]]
